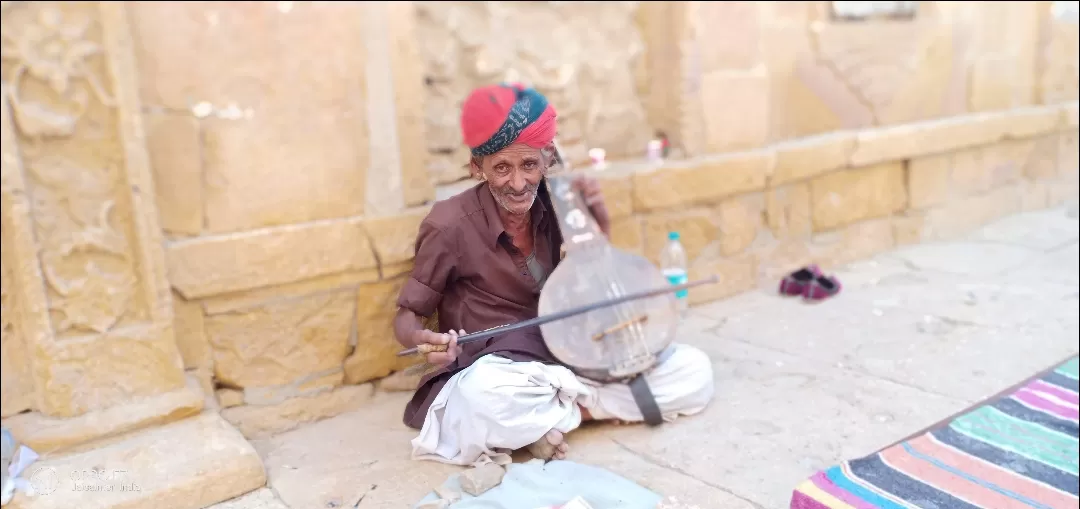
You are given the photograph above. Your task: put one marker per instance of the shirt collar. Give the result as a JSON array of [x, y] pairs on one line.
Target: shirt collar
[[494, 222]]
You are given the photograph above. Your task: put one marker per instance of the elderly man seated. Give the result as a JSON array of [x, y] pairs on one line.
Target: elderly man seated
[[482, 257]]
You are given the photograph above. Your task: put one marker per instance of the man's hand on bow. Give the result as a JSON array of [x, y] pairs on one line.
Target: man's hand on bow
[[594, 199], [424, 336]]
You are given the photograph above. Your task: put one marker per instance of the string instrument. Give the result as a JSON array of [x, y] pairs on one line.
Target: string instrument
[[606, 314]]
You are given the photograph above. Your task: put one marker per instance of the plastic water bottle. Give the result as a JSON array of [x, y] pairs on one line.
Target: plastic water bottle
[[673, 265]]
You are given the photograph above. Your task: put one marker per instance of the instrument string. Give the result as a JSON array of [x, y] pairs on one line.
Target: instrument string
[[634, 332]]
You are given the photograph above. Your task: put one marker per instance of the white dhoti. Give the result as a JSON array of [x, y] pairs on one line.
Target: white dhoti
[[496, 405]]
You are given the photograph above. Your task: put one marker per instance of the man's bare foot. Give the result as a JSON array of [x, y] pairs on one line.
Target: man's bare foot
[[551, 446]]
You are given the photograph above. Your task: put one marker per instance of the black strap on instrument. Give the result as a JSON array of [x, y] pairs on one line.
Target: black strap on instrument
[[643, 396]]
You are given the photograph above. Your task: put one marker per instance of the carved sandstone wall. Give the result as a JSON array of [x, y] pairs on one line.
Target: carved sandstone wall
[[218, 201]]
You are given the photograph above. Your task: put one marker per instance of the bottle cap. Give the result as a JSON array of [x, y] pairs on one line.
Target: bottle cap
[[673, 235]]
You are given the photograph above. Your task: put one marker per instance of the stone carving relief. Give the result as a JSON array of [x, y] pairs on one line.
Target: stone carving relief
[[583, 56], [16, 391], [67, 131], [54, 52]]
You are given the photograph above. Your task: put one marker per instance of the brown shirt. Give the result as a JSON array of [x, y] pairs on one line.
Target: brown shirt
[[467, 269]]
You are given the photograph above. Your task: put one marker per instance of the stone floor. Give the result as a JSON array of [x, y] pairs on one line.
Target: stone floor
[[916, 335]]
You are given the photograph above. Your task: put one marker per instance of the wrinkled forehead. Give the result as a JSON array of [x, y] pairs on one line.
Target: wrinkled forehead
[[515, 154]]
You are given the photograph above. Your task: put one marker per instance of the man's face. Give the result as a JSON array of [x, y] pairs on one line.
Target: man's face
[[513, 174]]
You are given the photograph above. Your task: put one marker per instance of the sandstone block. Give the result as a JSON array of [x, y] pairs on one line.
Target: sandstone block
[[735, 109], [862, 91], [737, 274], [980, 170], [405, 380], [1034, 195], [701, 181], [990, 86], [740, 220], [17, 382], [934, 85], [969, 172], [264, 174], [1043, 161], [807, 97], [1030, 122], [475, 481], [247, 299], [1064, 189], [203, 378], [796, 13], [1058, 69], [907, 228], [778, 259], [960, 216], [407, 69], [283, 342], [928, 180], [189, 464], [844, 197], [930, 137], [229, 263], [175, 146], [393, 270], [1005, 161], [853, 242], [375, 353], [1068, 152], [314, 383], [1070, 115], [126, 365], [697, 228], [262, 498], [191, 333], [258, 422], [787, 211], [267, 154], [617, 196], [46, 434], [394, 237], [809, 157], [627, 233], [733, 38]]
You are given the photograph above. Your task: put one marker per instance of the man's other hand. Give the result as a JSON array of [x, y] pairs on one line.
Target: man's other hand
[[594, 199], [433, 338]]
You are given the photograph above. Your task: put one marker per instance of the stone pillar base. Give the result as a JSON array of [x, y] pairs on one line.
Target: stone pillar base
[[189, 464], [47, 435]]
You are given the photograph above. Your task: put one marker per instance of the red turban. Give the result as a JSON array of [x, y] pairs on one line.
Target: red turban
[[497, 116]]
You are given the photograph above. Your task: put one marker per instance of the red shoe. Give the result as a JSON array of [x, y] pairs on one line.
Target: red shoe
[[821, 288], [798, 282]]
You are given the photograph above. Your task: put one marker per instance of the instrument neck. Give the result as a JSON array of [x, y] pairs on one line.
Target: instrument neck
[[579, 229]]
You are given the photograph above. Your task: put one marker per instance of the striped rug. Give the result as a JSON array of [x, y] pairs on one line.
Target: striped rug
[[1016, 451]]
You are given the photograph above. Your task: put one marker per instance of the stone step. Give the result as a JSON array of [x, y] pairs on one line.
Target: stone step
[[48, 435], [189, 464]]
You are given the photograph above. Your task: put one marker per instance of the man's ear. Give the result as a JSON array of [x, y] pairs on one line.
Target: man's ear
[[474, 169], [548, 154]]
